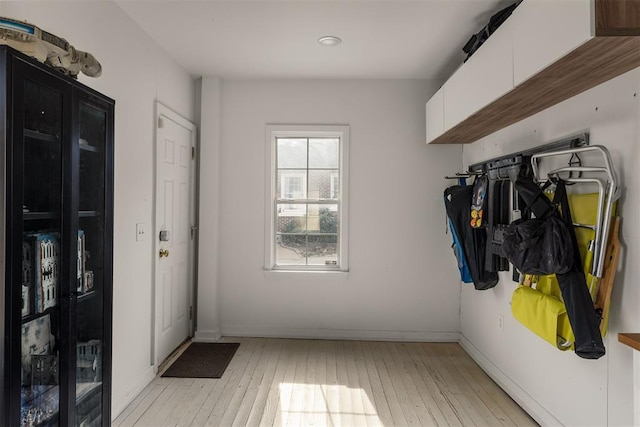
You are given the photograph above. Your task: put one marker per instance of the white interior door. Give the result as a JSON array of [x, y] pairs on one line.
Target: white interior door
[[173, 234]]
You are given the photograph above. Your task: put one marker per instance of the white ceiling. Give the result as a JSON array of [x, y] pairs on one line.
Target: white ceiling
[[395, 39]]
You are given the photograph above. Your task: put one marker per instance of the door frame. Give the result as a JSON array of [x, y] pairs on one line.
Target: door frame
[[162, 111]]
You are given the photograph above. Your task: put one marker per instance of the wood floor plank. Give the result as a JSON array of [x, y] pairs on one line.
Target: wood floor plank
[[419, 389], [368, 400], [193, 397], [295, 408], [287, 382], [483, 385], [345, 411], [353, 385], [285, 389], [379, 397], [435, 393], [397, 413], [486, 412], [332, 393], [165, 403], [320, 417], [231, 402], [310, 385], [132, 406], [145, 405], [224, 386], [272, 403], [414, 412], [245, 404], [264, 386], [449, 389]]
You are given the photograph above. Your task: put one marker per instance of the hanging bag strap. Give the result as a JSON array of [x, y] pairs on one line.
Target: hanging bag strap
[[580, 309]]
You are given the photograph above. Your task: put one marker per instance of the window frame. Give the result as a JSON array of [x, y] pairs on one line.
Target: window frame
[[306, 131]]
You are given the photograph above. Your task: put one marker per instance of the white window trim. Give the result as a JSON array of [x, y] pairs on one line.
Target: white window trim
[[307, 131]]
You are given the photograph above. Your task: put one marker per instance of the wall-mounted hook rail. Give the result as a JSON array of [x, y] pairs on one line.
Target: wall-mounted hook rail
[[510, 160]]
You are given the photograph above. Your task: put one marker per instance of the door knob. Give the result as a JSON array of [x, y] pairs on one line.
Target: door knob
[[164, 253]]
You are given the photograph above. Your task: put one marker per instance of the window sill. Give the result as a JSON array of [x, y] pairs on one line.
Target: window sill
[[299, 274]]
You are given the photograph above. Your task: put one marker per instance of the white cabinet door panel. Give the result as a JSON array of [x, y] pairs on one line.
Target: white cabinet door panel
[[485, 77], [457, 93], [546, 30], [492, 68], [435, 115]]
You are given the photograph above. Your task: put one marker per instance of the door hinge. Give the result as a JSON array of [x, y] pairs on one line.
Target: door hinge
[[193, 153], [191, 313], [193, 230], [160, 123]]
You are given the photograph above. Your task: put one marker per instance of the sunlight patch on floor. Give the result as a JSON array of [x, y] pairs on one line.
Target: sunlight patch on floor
[[326, 405]]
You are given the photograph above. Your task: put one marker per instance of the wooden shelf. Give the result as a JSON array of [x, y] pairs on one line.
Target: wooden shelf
[[632, 340], [594, 62]]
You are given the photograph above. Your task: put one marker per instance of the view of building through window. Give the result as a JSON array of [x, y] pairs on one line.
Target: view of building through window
[[307, 201]]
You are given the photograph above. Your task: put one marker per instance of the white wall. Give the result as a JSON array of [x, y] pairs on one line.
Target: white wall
[[560, 387], [210, 117], [402, 280], [136, 71]]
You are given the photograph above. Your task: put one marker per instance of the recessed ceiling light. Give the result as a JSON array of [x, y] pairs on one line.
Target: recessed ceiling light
[[329, 41]]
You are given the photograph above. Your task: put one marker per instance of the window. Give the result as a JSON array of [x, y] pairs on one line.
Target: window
[[307, 198]]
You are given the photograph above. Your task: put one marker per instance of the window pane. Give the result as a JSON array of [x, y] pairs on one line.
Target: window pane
[[323, 250], [292, 184], [322, 219], [292, 153], [291, 249], [323, 153], [291, 218], [321, 184]]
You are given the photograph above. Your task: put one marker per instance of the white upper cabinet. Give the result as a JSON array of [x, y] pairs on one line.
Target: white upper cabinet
[[492, 68], [458, 91], [546, 30], [435, 115], [485, 77], [546, 52]]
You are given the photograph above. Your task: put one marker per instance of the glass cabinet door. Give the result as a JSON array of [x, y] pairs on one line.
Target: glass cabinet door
[[90, 275], [41, 170]]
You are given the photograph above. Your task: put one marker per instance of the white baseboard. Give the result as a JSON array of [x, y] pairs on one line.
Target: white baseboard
[[339, 334], [207, 336], [119, 403], [517, 393]]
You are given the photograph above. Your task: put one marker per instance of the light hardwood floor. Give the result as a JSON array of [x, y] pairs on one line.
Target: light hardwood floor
[[283, 382]]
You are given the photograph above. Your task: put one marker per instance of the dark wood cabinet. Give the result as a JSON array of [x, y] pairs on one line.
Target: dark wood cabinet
[[57, 226]]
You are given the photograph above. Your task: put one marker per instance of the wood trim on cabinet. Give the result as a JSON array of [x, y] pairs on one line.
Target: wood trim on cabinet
[[594, 62], [632, 340], [617, 17]]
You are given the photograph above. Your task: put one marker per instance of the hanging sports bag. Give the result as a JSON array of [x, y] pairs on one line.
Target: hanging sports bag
[[540, 246], [537, 312]]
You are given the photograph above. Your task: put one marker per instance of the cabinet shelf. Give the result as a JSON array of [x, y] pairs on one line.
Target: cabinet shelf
[[86, 296], [31, 317], [89, 148], [87, 214], [39, 136], [30, 216]]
